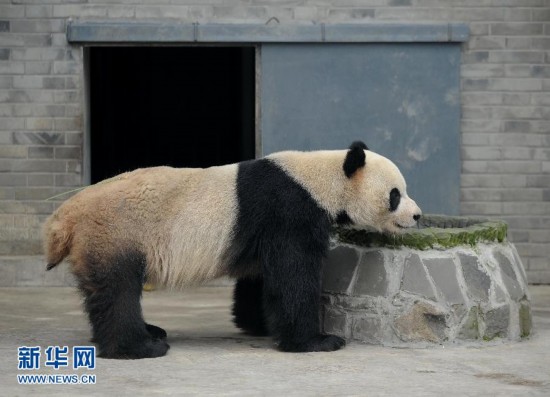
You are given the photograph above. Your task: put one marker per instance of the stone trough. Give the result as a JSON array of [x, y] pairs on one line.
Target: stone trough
[[452, 279]]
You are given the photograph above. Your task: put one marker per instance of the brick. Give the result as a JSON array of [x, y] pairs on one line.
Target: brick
[[39, 54], [4, 26], [514, 181], [54, 83], [40, 180], [481, 153], [38, 26], [34, 193], [542, 43], [516, 56], [516, 98], [41, 152], [68, 124], [6, 81], [10, 67], [180, 12], [38, 67], [27, 82], [519, 29], [4, 54], [477, 208], [306, 13], [39, 123], [517, 14], [12, 179], [511, 208], [38, 166], [480, 14], [7, 193], [518, 43], [13, 151], [11, 123], [482, 71], [541, 15], [69, 180], [480, 195], [39, 138], [63, 152], [69, 67], [351, 13], [485, 181], [80, 11], [38, 11], [513, 84]]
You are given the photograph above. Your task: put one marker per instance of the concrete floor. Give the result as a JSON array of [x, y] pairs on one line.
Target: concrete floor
[[208, 355]]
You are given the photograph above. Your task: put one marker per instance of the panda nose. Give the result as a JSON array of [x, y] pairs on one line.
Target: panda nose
[[416, 217]]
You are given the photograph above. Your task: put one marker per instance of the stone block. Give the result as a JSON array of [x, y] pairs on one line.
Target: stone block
[[335, 322], [415, 280], [478, 281], [525, 319], [371, 278], [367, 329], [469, 329], [424, 322], [443, 273], [509, 277], [339, 270], [496, 322]]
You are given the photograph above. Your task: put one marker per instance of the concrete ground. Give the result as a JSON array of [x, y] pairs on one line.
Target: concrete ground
[[209, 356]]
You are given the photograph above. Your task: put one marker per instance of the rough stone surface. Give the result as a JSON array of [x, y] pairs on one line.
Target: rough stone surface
[[423, 322], [470, 327], [371, 279], [371, 327], [443, 273], [339, 270], [525, 319], [415, 279], [477, 280], [496, 322]]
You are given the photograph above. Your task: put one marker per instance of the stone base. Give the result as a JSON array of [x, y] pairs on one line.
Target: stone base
[[405, 296]]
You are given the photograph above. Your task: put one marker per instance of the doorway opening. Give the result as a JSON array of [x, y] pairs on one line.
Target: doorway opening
[[176, 106]]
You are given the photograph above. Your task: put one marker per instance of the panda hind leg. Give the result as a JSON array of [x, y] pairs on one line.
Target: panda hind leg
[[112, 294], [248, 311]]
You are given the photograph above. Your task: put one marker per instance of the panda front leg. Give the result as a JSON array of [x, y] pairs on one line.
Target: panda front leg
[[112, 294], [292, 302]]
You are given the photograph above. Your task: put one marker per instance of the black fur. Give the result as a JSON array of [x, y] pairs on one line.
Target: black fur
[[248, 308], [112, 293], [355, 158], [343, 219], [282, 234], [395, 199]]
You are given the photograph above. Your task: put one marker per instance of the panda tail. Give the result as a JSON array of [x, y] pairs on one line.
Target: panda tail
[[57, 241]]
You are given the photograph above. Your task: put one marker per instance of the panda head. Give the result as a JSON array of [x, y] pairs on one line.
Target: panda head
[[377, 192]]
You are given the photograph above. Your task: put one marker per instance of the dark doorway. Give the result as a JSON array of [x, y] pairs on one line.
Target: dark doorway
[[177, 106]]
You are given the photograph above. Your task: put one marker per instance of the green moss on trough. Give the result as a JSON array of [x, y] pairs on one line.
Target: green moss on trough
[[435, 231]]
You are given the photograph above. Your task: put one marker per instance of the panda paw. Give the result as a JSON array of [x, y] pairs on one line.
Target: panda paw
[[156, 333], [147, 349], [319, 343]]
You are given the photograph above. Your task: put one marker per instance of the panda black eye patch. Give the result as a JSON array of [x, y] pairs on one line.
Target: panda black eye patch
[[395, 198]]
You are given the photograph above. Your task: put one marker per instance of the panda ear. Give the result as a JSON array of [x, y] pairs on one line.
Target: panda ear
[[355, 158]]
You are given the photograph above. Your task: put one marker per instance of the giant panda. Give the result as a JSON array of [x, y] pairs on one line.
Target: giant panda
[[265, 222]]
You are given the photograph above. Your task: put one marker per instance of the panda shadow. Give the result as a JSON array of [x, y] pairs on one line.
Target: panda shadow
[[215, 341]]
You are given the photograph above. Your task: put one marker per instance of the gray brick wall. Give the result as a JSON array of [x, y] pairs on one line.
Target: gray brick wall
[[505, 97]]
